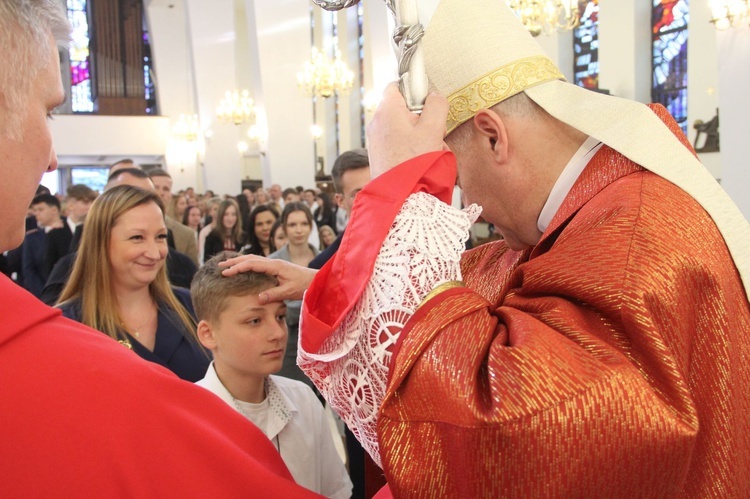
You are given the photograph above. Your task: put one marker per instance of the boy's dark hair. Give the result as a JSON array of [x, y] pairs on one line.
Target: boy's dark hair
[[81, 192], [47, 199], [210, 290], [287, 191], [350, 160]]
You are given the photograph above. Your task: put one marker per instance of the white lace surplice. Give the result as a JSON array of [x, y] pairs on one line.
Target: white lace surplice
[[422, 250]]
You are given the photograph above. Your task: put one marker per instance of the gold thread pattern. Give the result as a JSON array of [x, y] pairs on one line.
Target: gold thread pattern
[[499, 85], [441, 287], [610, 360]]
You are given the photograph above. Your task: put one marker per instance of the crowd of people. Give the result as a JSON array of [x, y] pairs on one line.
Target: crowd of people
[[248, 220], [600, 349], [124, 263]]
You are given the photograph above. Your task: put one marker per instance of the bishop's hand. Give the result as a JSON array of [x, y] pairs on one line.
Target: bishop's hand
[[293, 279], [395, 134]]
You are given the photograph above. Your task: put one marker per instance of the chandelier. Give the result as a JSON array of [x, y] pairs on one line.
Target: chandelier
[[322, 76], [546, 16], [187, 127], [236, 108], [729, 13]]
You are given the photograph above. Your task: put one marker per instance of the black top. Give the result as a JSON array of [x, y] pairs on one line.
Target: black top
[[174, 349], [215, 245]]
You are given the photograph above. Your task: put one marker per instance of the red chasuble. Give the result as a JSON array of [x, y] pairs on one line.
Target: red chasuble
[[83, 416], [610, 360]]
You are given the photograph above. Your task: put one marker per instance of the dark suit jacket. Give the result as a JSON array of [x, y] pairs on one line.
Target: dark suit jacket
[[185, 239], [326, 254], [58, 245], [173, 349], [34, 250]]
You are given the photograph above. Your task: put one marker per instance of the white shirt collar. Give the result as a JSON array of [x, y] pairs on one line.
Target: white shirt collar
[[71, 225], [565, 181], [281, 407]]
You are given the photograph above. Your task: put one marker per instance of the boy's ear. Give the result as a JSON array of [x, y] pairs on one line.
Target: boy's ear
[[206, 335]]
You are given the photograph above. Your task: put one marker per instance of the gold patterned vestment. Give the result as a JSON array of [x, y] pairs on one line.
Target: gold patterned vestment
[[610, 360]]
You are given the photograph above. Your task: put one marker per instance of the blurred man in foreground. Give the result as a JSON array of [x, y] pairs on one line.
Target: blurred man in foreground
[[81, 414]]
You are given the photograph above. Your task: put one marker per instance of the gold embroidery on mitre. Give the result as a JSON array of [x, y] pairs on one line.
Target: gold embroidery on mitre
[[442, 287], [499, 85]]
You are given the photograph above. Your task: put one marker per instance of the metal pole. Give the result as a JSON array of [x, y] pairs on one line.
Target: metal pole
[[408, 33]]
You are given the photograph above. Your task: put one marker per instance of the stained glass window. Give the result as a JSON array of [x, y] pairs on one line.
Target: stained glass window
[[80, 60], [150, 90], [586, 46], [669, 23]]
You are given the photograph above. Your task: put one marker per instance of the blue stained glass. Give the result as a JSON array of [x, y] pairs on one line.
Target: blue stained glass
[[149, 84], [586, 46], [669, 51]]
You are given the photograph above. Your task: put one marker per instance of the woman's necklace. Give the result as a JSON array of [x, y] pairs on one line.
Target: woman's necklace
[[137, 330]]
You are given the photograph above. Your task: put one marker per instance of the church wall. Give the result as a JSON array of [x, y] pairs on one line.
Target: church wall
[[734, 82], [261, 45]]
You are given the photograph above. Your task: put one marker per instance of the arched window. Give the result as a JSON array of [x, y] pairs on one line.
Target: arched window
[[669, 22]]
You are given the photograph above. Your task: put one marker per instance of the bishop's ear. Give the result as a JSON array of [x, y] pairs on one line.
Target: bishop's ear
[[492, 132]]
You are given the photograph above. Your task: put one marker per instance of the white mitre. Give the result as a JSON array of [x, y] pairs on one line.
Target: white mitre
[[477, 54]]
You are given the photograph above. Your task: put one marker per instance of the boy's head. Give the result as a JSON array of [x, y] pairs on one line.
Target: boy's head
[[243, 335]]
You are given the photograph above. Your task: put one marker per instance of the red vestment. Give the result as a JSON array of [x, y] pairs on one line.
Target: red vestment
[[610, 360], [83, 416]]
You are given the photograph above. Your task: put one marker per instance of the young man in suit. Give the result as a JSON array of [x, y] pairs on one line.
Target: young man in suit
[[184, 238], [63, 240], [46, 208]]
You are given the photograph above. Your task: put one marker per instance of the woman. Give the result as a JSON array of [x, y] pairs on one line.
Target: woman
[[177, 206], [327, 236], [296, 220], [261, 197], [209, 224], [227, 234], [192, 218], [325, 213], [278, 236], [119, 284], [258, 230]]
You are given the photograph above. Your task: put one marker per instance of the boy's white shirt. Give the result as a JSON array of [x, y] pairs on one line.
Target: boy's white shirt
[[305, 443]]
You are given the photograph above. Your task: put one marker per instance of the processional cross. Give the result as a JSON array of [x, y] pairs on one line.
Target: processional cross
[[412, 79]]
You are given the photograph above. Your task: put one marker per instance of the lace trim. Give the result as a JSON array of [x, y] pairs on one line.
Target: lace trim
[[422, 250]]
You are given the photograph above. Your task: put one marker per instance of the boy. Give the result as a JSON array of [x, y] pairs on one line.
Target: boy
[[248, 341]]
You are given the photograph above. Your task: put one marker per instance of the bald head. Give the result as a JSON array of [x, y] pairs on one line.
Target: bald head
[[123, 164], [130, 176]]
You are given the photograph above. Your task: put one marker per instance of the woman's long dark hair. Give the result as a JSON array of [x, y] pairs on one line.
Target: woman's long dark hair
[[326, 213], [220, 231], [254, 244], [243, 205]]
